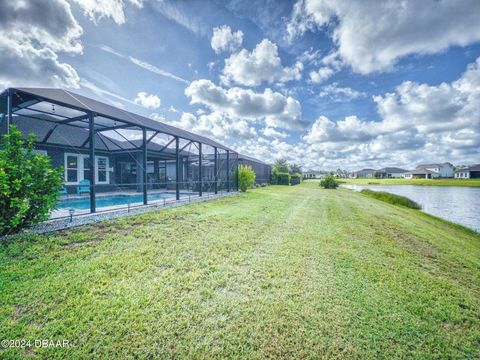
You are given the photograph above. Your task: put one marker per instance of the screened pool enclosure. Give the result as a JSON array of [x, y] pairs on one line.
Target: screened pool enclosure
[[113, 158]]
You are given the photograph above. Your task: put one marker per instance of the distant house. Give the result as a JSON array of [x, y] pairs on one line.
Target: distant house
[[364, 173], [431, 171], [313, 174], [471, 172], [391, 172]]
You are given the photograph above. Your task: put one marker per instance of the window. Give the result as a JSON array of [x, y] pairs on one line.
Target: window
[[77, 168], [102, 170], [86, 167], [162, 171], [150, 167], [71, 168]]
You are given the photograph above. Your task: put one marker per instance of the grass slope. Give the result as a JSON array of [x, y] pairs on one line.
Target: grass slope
[[392, 198], [278, 272], [423, 182]]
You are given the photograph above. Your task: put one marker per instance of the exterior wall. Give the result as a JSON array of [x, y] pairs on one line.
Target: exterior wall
[[364, 174], [443, 170], [391, 175], [475, 174], [446, 171], [462, 174], [395, 175], [262, 171]]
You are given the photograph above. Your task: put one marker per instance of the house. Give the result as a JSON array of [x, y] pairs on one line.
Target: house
[[391, 172], [431, 171], [263, 171], [471, 172], [364, 173], [112, 157], [313, 174]]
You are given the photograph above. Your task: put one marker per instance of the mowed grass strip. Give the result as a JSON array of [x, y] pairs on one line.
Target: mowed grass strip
[[277, 272]]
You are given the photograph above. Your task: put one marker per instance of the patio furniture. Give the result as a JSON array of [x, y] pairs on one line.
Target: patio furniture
[[63, 191], [84, 187]]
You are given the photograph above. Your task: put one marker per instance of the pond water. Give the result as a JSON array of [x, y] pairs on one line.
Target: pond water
[[457, 204]]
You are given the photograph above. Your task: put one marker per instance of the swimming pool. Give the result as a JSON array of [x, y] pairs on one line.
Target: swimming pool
[[114, 200]]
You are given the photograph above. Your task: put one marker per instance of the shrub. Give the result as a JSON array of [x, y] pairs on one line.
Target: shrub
[[329, 182], [392, 198], [280, 175], [28, 184], [295, 179], [246, 177], [281, 178]]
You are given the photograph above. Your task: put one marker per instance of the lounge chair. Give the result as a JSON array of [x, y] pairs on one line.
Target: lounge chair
[[63, 191], [83, 187]]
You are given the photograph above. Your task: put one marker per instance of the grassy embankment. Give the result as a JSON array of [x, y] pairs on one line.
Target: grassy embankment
[[392, 198], [277, 272], [423, 182]]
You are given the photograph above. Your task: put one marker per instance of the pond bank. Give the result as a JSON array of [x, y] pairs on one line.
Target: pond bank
[[420, 182], [460, 205]]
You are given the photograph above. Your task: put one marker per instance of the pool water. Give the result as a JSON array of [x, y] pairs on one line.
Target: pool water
[[113, 200]]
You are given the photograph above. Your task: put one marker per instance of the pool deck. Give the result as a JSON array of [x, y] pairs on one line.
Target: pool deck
[[107, 213], [65, 212]]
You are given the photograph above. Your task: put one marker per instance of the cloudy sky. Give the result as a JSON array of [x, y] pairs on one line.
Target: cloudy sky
[[324, 83]]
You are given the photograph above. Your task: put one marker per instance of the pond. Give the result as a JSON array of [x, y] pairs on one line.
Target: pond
[[457, 204]]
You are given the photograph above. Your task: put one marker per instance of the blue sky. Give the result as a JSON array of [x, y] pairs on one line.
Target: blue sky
[[322, 83]]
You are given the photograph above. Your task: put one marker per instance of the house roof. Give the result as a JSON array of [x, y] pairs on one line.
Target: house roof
[[69, 136], [249, 158], [421, 172], [475, 167], [25, 99], [392, 170], [364, 170], [433, 165], [316, 172]]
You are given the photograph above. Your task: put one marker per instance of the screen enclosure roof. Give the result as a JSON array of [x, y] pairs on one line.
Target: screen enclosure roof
[[66, 112]]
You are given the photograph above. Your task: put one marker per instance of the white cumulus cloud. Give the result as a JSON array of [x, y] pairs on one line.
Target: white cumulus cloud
[[147, 101], [321, 75], [30, 44], [114, 9], [275, 108], [217, 125], [263, 64], [372, 35], [224, 39]]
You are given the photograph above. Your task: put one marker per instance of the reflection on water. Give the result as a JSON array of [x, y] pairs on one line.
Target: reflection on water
[[460, 205]]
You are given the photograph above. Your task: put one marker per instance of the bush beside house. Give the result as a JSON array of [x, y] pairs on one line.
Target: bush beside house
[[281, 179], [28, 183], [280, 175], [246, 177]]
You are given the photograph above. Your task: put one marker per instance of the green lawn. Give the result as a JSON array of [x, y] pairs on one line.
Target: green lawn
[[278, 272], [425, 182]]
